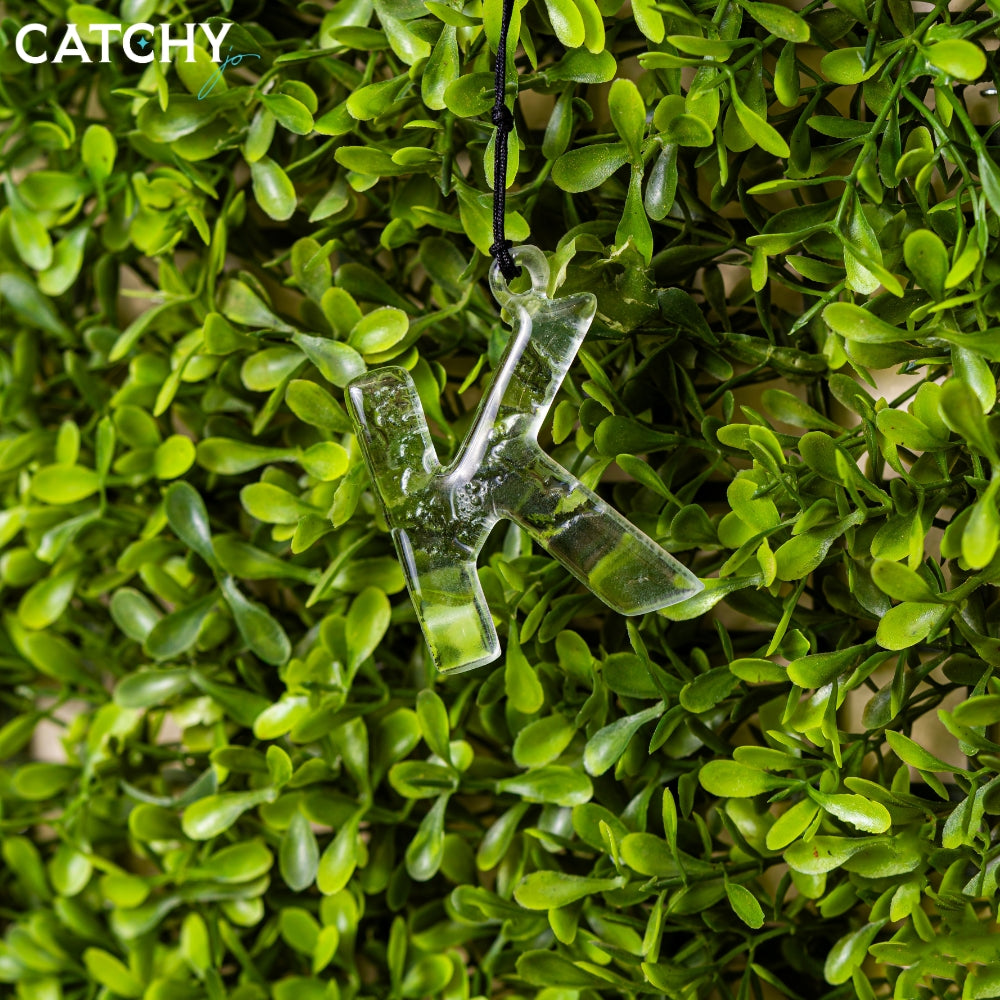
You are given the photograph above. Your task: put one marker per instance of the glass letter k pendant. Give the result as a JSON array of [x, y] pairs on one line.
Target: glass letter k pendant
[[440, 517]]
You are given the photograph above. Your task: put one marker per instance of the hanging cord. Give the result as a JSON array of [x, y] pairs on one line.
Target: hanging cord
[[504, 122]]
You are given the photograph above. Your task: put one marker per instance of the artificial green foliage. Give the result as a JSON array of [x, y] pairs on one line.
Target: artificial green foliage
[[230, 769]]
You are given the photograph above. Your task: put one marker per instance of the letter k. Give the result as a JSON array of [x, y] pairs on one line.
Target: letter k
[[441, 517]]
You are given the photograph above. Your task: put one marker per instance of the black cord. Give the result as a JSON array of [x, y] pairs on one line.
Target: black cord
[[504, 122]]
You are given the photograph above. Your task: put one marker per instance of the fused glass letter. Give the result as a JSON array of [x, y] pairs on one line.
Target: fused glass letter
[[440, 517]]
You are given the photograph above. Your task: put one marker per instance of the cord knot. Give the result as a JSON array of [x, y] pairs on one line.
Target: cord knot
[[500, 252], [502, 118]]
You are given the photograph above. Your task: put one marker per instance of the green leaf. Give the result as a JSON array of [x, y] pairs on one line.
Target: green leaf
[[593, 23], [791, 824], [550, 890], [554, 784], [232, 458], [607, 745], [778, 21], [173, 457], [823, 854], [188, 519], [111, 973], [39, 781], [498, 838], [729, 779], [65, 484], [47, 600], [148, 688], [214, 814], [981, 535], [195, 945], [242, 305], [698, 45], [433, 718], [338, 861], [177, 632], [379, 330], [818, 669], [715, 590], [98, 151], [649, 20], [915, 755], [989, 174], [855, 323], [975, 372], [900, 582], [744, 902], [542, 741], [962, 412], [959, 58], [418, 780], [242, 862], [910, 623], [367, 621], [298, 858], [274, 192], [567, 22], [426, 850], [766, 136], [634, 224], [70, 871], [428, 977], [291, 114], [524, 690], [982, 710], [25, 860], [786, 77], [789, 408], [280, 718], [550, 970], [849, 952], [905, 430], [259, 629], [337, 363], [588, 167], [67, 262], [315, 406], [755, 670], [15, 734], [872, 817], [848, 66], [927, 259], [266, 370], [801, 554], [628, 115], [184, 116], [651, 855], [31, 239], [687, 130], [708, 690], [661, 188]]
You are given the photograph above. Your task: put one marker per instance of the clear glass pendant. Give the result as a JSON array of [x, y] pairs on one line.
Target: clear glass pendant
[[440, 517]]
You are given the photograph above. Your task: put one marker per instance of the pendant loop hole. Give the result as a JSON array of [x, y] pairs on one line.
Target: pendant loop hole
[[534, 264]]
